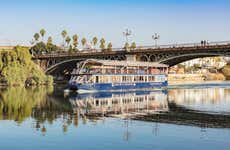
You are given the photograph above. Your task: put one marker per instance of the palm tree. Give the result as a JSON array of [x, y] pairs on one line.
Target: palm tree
[[75, 40], [42, 33], [133, 46], [83, 42], [95, 40], [68, 39], [64, 34], [36, 37], [126, 47], [102, 43], [109, 47], [50, 40]]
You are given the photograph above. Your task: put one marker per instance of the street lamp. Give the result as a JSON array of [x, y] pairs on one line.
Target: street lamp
[[155, 38], [127, 33]]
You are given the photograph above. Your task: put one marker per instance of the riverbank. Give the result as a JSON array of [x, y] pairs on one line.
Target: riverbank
[[195, 78]]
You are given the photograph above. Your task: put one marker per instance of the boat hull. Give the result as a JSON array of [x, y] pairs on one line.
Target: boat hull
[[84, 88]]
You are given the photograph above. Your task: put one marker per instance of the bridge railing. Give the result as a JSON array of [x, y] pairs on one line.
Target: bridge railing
[[158, 47], [187, 45]]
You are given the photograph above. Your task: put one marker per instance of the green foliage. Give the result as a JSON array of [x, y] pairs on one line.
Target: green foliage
[[75, 41], [42, 33], [226, 71], [50, 40], [110, 46], [180, 66], [42, 47], [95, 40], [36, 37], [133, 46], [102, 43], [83, 41], [68, 39], [126, 47], [64, 33], [18, 69]]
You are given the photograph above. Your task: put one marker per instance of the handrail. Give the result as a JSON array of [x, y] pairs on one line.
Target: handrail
[[159, 47]]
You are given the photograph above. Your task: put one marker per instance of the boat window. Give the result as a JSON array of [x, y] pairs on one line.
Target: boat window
[[97, 103], [136, 78], [127, 78], [104, 79], [151, 78], [146, 78], [115, 79], [123, 78], [97, 79], [141, 78], [160, 79]]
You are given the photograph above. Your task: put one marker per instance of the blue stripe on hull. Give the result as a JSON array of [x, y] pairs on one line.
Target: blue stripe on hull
[[117, 86]]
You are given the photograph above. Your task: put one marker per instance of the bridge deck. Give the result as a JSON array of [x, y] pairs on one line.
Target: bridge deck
[[138, 50]]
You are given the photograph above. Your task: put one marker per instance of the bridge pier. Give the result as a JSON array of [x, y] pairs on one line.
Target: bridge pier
[[131, 57]]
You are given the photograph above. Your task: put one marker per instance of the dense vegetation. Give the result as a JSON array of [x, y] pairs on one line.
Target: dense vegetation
[[17, 68], [226, 71]]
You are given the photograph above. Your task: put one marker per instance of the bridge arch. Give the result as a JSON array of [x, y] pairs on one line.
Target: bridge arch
[[177, 59], [63, 66]]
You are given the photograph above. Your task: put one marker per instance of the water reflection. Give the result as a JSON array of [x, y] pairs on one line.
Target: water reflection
[[42, 113], [18, 103], [38, 103], [211, 100], [120, 104], [209, 107]]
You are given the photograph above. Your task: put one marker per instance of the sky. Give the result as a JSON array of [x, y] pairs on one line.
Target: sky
[[176, 21]]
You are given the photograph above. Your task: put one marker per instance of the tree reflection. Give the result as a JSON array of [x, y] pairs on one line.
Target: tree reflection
[[17, 103], [43, 104]]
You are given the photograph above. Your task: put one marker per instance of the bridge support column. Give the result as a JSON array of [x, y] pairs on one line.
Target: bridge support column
[[131, 57]]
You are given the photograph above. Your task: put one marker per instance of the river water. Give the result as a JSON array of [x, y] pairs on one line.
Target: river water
[[178, 118]]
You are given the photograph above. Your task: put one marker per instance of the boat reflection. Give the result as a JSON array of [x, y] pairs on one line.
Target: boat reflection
[[120, 104]]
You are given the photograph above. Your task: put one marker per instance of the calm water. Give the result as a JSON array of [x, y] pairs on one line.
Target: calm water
[[46, 118]]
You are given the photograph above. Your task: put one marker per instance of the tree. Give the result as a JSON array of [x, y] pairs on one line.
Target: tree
[[75, 41], [42, 33], [50, 46], [126, 47], [68, 39], [38, 48], [133, 46], [36, 37], [83, 42], [1, 63], [109, 47], [102, 43], [64, 34], [50, 40], [95, 40]]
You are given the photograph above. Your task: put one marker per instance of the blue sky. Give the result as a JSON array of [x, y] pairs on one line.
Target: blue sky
[[177, 21]]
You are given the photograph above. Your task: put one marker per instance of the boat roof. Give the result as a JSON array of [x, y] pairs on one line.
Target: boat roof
[[125, 63]]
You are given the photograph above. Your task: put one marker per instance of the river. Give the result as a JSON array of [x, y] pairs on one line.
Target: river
[[178, 118]]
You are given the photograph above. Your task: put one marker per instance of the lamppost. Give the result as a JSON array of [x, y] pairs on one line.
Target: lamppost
[[155, 38], [127, 33]]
